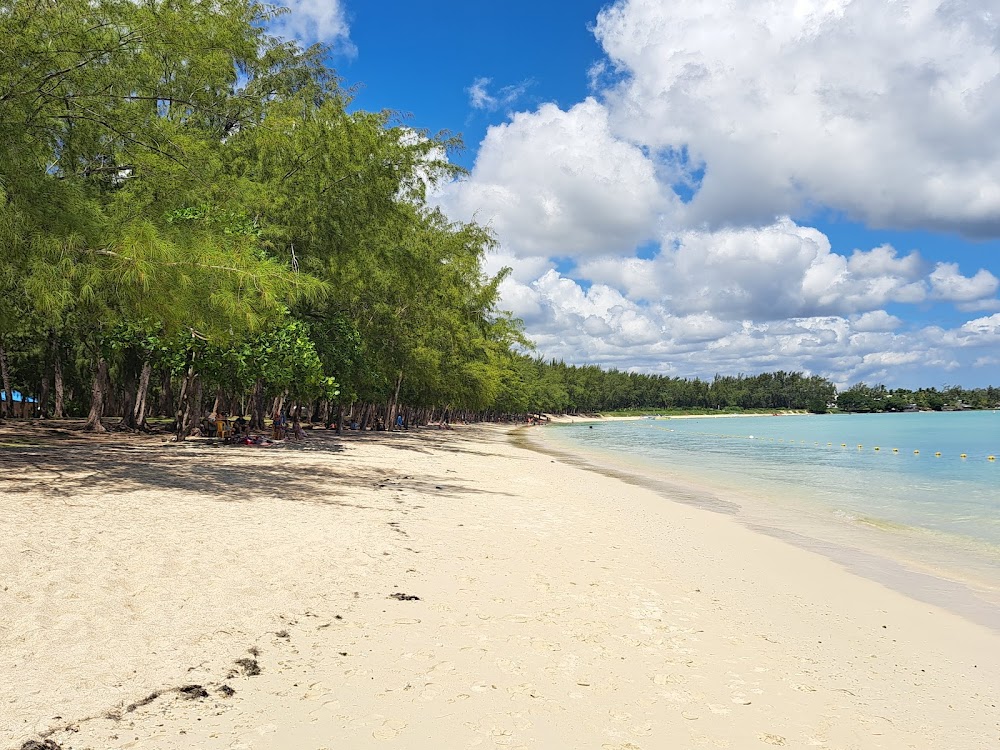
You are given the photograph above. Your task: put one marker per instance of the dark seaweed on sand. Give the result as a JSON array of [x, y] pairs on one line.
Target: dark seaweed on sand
[[144, 702], [250, 667], [193, 691]]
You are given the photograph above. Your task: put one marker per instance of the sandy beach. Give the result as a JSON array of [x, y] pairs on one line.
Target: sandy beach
[[439, 589]]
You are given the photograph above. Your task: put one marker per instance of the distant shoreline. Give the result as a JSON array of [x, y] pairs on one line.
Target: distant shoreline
[[574, 418]]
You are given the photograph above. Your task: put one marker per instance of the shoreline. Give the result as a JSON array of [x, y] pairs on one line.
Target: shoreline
[[575, 418], [442, 589], [866, 547]]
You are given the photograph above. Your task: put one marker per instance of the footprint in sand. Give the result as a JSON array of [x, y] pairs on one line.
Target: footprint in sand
[[508, 667], [444, 666], [641, 730], [539, 645], [677, 696], [665, 679], [390, 728], [771, 739], [524, 689], [429, 693]]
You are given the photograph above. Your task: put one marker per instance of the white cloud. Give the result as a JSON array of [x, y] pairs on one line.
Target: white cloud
[[885, 110], [481, 98], [950, 285], [876, 321], [558, 183], [601, 325], [315, 21], [981, 330], [766, 273]]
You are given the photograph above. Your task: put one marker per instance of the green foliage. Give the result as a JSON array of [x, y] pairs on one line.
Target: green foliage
[[557, 387]]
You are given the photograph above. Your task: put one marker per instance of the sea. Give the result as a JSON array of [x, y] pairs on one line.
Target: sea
[[911, 500]]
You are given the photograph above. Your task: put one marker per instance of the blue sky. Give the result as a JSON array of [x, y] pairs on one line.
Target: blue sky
[[423, 62], [700, 187]]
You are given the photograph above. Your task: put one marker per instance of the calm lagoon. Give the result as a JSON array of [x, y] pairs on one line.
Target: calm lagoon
[[873, 483]]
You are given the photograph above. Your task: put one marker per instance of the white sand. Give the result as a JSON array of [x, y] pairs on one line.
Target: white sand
[[558, 608]]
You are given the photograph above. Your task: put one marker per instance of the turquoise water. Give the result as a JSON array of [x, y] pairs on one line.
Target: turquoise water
[[814, 464]]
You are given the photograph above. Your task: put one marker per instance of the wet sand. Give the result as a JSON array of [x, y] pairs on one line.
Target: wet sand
[[440, 590]]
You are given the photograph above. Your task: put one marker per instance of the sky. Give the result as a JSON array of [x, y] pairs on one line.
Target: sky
[[714, 187]]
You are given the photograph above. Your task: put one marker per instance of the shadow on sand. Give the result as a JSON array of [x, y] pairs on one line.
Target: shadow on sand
[[64, 462]]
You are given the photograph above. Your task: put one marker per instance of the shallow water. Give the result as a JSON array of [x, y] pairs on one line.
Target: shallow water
[[868, 482]]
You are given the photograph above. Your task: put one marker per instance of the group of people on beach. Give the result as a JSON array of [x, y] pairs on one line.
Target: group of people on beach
[[237, 430]]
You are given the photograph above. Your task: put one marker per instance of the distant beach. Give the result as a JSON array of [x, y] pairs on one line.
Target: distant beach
[[440, 589]]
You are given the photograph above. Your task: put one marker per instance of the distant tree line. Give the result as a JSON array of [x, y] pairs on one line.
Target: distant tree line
[[878, 398], [552, 386]]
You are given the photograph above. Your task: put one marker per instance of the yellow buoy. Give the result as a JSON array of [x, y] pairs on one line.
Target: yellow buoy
[[843, 445], [860, 446], [916, 453], [877, 448], [991, 458], [963, 456], [895, 450], [938, 453]]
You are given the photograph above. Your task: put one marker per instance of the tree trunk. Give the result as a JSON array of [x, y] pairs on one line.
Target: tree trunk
[[98, 392], [183, 418], [166, 394], [43, 397], [193, 407], [59, 410], [141, 396], [8, 391], [257, 406], [128, 402], [279, 402], [340, 419], [390, 417]]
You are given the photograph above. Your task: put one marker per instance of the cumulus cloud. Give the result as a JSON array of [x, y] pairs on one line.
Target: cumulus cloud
[[947, 283], [599, 324], [876, 321], [558, 183], [749, 300], [710, 125], [772, 272], [315, 21], [886, 111]]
